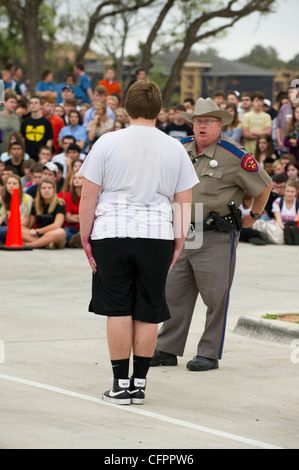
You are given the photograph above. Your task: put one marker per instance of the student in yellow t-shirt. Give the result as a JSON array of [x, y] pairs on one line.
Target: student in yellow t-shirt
[[256, 122]]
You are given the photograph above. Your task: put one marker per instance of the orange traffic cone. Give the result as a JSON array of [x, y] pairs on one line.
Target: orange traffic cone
[[14, 239]]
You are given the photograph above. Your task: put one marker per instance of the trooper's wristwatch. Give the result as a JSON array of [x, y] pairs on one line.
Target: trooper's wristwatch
[[255, 216]]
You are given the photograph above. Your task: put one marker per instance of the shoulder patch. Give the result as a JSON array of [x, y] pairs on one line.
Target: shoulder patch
[[186, 140], [231, 148], [249, 163]]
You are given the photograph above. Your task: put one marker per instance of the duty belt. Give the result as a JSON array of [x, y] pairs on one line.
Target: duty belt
[[226, 223], [214, 221]]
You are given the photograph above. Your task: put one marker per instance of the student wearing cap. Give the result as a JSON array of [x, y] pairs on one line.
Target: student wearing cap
[[50, 171], [225, 171]]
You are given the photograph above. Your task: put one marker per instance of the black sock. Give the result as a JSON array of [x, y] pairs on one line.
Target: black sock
[[141, 366], [120, 368]]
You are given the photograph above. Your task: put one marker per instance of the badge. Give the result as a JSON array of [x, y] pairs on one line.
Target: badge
[[249, 163], [213, 163]]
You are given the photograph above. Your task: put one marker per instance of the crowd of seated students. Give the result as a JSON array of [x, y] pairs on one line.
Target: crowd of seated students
[[77, 115]]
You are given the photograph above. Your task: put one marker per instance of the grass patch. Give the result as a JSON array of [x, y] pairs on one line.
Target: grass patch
[[288, 317]]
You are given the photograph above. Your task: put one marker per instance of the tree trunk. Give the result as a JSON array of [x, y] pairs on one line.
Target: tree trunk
[[146, 61], [35, 49], [174, 75], [27, 16]]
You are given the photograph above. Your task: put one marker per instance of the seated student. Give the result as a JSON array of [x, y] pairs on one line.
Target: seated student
[[7, 171], [219, 96], [278, 189], [100, 94], [286, 158], [292, 171], [75, 129], [178, 128], [49, 170], [277, 167], [15, 136], [44, 154], [73, 152], [1, 189], [13, 181], [76, 165], [65, 159], [59, 177], [16, 151], [251, 235], [37, 172], [72, 201], [100, 123], [162, 119], [46, 87], [268, 166], [47, 217], [27, 171], [2, 166], [286, 212], [234, 129], [122, 116], [264, 149], [291, 139]]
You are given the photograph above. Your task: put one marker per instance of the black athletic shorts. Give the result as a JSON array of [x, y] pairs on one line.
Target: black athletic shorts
[[130, 278]]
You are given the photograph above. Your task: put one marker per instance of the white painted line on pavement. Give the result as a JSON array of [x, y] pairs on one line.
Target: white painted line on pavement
[[142, 412]]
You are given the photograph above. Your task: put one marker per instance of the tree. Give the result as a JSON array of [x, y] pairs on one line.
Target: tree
[[106, 9], [265, 57], [10, 38], [293, 64], [38, 31], [31, 17], [195, 32]]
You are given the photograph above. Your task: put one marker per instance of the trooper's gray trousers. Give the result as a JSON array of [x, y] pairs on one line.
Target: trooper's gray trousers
[[207, 271]]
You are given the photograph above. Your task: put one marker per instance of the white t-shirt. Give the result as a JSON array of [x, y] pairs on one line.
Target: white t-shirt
[[287, 215], [139, 170]]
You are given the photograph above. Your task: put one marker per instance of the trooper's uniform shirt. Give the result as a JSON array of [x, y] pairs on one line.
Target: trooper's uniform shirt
[[225, 171]]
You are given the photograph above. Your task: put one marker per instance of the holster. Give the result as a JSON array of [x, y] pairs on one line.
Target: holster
[[216, 222]]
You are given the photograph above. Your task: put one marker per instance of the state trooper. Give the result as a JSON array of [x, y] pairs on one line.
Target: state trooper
[[225, 171]]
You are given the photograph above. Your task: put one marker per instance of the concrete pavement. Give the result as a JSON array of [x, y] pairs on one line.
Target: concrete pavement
[[54, 364]]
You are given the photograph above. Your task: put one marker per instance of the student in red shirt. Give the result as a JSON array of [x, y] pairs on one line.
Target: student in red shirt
[[56, 121], [72, 201]]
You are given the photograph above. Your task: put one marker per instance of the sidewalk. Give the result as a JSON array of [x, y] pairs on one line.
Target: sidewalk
[[55, 364]]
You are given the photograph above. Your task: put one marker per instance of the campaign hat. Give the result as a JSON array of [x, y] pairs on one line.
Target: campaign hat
[[207, 107]]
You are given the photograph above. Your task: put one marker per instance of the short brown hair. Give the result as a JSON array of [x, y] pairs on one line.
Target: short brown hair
[[257, 94], [10, 93], [144, 100]]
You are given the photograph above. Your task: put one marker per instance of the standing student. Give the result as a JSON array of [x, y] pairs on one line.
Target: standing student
[[36, 129], [255, 123], [131, 177], [178, 128], [85, 86], [291, 140], [9, 121]]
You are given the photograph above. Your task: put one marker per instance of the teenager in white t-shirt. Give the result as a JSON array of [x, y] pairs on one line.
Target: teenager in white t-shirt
[[130, 179], [288, 212]]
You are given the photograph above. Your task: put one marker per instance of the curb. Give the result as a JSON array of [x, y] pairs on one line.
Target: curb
[[271, 330]]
